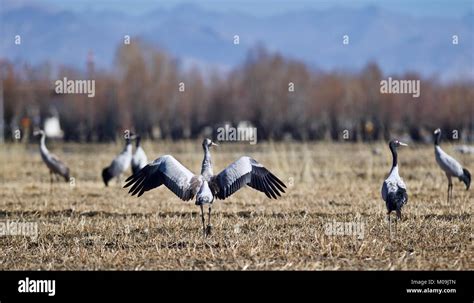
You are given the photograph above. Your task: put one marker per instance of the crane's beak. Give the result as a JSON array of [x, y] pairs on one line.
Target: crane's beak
[[214, 144], [402, 144], [36, 133]]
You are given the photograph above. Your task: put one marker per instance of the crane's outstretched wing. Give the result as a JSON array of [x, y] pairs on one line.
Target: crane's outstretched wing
[[246, 171], [168, 171]]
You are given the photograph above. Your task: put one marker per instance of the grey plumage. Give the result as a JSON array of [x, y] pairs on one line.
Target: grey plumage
[[246, 171], [119, 165], [394, 190], [449, 165], [139, 158], [165, 170], [53, 163], [206, 186]]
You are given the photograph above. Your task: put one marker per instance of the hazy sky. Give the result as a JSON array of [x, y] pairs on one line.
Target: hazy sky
[[447, 8]]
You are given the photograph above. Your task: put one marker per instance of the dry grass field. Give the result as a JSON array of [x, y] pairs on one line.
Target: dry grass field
[[87, 226]]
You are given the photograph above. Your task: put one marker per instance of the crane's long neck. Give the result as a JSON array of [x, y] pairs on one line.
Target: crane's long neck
[[206, 163], [437, 139], [394, 157], [43, 149]]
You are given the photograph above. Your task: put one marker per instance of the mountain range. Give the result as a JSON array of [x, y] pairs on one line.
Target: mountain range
[[398, 43]]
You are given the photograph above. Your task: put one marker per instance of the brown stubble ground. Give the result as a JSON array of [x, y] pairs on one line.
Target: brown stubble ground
[[87, 226]]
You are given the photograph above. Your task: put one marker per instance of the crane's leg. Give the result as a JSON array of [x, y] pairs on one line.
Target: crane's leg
[[451, 190], [396, 227], [399, 217], [209, 226], [50, 182], [203, 223], [389, 224], [450, 187]]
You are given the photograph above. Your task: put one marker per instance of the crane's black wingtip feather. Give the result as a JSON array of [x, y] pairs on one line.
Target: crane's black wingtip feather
[[273, 187], [279, 181], [277, 184], [127, 184], [138, 174]]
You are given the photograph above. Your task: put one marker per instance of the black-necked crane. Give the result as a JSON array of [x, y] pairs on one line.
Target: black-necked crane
[[394, 190], [139, 158], [206, 186], [55, 166], [119, 165], [449, 165]]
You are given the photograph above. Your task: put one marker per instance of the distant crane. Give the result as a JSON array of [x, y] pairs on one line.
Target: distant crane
[[139, 159], [119, 165], [56, 166], [394, 190], [450, 166], [205, 186]]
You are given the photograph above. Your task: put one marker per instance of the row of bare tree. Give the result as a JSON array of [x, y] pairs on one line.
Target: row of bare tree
[[151, 94]]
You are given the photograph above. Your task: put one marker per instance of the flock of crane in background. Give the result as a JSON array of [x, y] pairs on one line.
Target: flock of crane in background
[[206, 186]]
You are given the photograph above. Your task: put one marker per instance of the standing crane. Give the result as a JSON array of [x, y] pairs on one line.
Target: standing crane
[[119, 165], [206, 186], [56, 166], [450, 166], [139, 158], [394, 190]]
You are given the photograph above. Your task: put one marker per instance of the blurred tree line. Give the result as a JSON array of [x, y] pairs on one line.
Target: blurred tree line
[[283, 98]]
